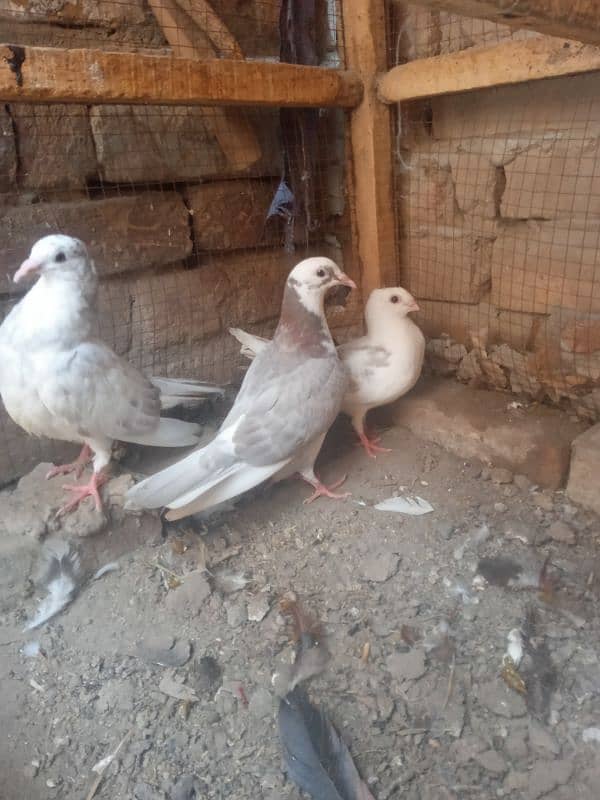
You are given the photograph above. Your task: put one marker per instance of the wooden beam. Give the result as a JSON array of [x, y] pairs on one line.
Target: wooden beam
[[44, 74], [570, 19], [371, 191], [231, 127], [480, 68]]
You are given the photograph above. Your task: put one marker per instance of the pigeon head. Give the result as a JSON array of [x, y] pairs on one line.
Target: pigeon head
[[313, 277], [392, 302], [56, 254]]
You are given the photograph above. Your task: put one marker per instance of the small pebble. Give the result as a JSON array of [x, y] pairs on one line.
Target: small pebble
[[501, 475], [561, 532], [500, 507], [522, 482], [544, 501]]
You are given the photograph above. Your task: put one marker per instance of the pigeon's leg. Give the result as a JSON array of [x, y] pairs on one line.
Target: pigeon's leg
[[320, 490], [102, 450], [81, 491], [368, 441], [80, 463], [371, 446]]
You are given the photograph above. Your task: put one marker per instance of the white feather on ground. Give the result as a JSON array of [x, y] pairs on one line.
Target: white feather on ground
[[60, 576]]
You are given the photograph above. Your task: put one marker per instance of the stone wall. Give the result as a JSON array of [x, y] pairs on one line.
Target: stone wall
[[171, 202], [499, 221]]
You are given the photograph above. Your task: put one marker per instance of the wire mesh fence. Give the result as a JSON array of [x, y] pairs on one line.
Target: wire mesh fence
[[497, 204], [193, 215]]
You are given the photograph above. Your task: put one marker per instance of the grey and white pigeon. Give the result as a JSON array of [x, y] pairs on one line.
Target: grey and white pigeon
[[383, 365], [58, 380], [289, 398]]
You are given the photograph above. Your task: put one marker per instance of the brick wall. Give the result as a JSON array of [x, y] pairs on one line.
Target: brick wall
[[171, 202], [499, 219]]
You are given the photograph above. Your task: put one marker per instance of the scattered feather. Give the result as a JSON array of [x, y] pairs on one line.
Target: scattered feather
[[511, 661], [511, 677], [460, 590], [591, 735], [112, 567], [230, 582], [37, 686], [413, 506], [104, 763], [515, 646], [60, 573], [31, 649], [312, 654], [315, 757]]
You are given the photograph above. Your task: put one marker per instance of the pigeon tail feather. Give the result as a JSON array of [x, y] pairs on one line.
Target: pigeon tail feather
[[241, 478], [251, 344], [168, 433], [192, 475], [174, 392]]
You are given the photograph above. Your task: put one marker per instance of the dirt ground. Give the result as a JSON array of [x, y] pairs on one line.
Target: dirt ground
[[426, 712]]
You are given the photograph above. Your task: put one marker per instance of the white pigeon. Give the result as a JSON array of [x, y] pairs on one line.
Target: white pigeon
[[58, 380], [383, 365], [289, 398]]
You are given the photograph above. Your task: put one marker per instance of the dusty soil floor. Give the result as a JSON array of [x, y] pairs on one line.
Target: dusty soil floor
[[427, 716]]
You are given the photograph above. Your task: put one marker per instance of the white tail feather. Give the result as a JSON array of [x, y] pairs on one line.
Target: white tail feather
[[175, 392], [232, 484], [187, 475], [251, 344], [205, 478], [168, 433]]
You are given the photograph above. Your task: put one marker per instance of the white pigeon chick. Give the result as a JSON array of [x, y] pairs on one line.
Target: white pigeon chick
[[289, 398], [383, 365], [57, 380]]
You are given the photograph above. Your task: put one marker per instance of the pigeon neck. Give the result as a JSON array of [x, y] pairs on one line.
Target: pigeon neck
[[75, 283], [302, 324], [390, 326]]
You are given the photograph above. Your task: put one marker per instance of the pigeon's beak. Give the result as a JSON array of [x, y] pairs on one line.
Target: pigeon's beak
[[28, 267], [414, 306], [344, 280]]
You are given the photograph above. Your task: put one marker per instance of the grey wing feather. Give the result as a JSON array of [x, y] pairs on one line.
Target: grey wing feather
[[93, 388], [287, 401]]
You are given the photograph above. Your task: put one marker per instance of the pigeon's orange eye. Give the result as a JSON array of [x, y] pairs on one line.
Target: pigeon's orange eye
[[320, 273], [394, 298], [60, 257]]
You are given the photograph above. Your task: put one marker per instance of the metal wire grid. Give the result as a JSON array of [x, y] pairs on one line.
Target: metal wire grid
[[174, 204], [498, 212]]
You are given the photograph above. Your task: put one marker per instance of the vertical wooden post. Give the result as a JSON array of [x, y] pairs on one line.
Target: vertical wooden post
[[371, 145]]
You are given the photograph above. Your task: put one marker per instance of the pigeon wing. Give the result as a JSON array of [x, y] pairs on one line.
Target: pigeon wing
[[94, 390], [286, 400]]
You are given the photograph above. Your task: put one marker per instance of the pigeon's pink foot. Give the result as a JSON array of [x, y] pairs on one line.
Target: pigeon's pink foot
[[371, 446], [320, 490], [77, 466], [90, 489]]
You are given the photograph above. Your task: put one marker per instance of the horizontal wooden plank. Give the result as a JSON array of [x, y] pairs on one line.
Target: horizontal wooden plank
[[44, 74], [572, 19], [480, 68]]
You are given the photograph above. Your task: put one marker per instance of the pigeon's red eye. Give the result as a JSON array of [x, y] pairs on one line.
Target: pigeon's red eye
[[320, 273], [394, 298]]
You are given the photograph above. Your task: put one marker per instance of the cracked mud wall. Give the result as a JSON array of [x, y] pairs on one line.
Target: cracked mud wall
[[498, 202]]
